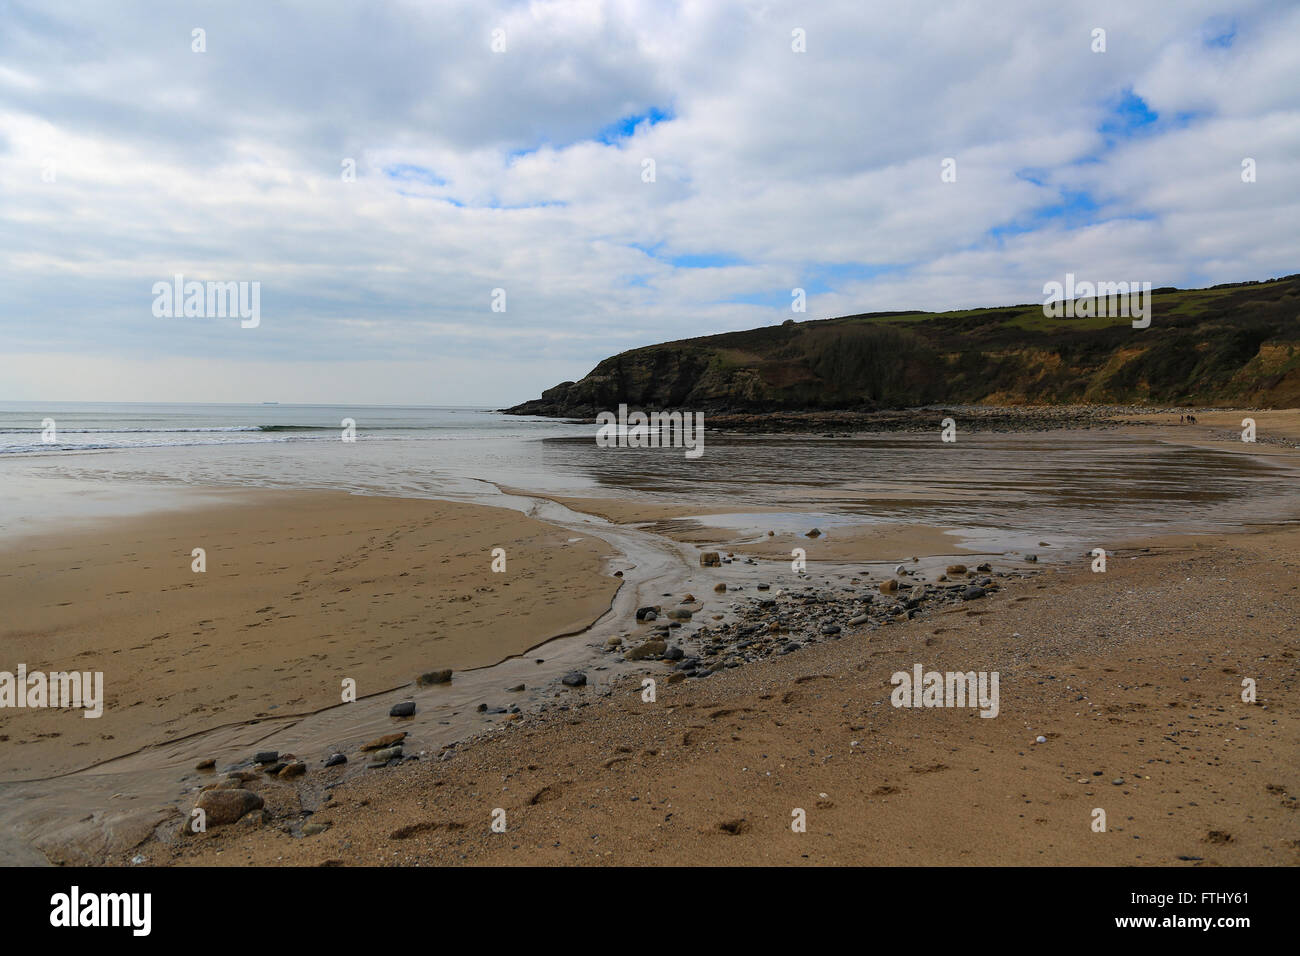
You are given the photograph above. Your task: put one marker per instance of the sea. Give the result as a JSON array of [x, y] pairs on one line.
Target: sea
[[64, 461]]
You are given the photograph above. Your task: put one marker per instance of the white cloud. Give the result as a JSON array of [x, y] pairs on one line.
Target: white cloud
[[797, 169]]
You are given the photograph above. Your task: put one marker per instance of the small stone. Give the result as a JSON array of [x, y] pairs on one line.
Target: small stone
[[434, 677], [888, 587], [574, 679], [266, 756], [648, 649], [516, 689], [336, 759], [405, 709], [720, 587], [225, 806], [1031, 558], [972, 593], [1040, 739], [830, 628], [710, 559], [1118, 781], [295, 769], [312, 829], [860, 619], [208, 764], [379, 743], [814, 533], [647, 613], [956, 569]]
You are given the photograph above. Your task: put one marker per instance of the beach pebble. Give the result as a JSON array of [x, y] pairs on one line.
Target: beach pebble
[[814, 533], [830, 628], [312, 829], [208, 764], [647, 613], [648, 649], [517, 688], [860, 619], [405, 709], [434, 677], [1040, 739], [336, 759], [956, 569], [379, 743], [720, 587], [710, 559], [574, 679], [1031, 558], [972, 593], [266, 756], [225, 806], [888, 587], [295, 769]]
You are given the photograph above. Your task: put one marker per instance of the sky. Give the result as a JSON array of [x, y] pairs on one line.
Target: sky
[[388, 172]]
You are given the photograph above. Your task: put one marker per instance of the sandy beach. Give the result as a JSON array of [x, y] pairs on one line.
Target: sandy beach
[[1133, 679], [301, 591]]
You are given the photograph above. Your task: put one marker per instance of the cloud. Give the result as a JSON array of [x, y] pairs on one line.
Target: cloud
[[126, 158]]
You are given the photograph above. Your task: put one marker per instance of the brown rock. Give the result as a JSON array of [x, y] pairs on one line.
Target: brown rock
[[648, 649], [434, 677], [295, 769], [221, 807], [889, 587], [380, 743], [710, 559], [956, 569]]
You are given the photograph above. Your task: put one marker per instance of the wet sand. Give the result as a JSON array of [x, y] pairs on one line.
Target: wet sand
[[301, 591]]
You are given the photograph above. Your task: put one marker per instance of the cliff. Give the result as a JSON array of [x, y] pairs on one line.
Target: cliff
[[1232, 344]]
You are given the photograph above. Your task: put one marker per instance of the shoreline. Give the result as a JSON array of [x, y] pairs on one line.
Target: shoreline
[[723, 631]]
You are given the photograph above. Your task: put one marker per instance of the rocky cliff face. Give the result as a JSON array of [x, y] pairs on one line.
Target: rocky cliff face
[[1230, 345]]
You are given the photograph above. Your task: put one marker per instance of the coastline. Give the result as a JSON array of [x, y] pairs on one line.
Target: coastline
[[477, 721]]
